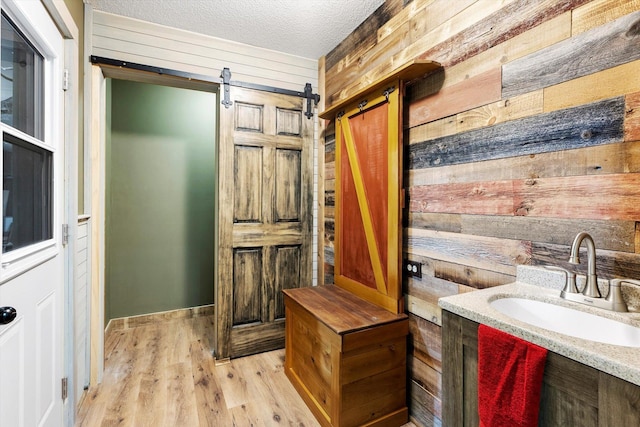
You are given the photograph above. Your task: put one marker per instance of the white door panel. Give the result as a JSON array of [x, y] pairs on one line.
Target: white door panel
[[29, 351], [12, 380]]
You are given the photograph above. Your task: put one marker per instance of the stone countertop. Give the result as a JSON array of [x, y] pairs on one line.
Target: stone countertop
[[619, 361]]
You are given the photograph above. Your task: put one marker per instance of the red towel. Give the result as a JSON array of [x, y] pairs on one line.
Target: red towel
[[510, 372]]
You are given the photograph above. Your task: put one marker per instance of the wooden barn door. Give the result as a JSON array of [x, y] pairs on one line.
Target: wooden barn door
[[368, 245], [265, 222]]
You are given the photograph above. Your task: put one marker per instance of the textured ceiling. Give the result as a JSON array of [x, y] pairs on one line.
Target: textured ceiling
[[307, 28]]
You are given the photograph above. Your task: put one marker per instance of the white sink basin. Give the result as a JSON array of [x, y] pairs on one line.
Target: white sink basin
[[568, 321]]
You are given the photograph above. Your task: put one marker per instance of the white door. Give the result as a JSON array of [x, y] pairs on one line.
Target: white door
[[31, 261]]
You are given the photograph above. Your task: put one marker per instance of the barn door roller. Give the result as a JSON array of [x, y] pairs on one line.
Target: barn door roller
[[226, 82], [307, 93]]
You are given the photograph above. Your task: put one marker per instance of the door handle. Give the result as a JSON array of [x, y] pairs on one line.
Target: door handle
[[7, 315]]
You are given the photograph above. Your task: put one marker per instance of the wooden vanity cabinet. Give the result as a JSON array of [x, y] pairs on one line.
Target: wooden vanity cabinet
[[346, 357], [573, 394]]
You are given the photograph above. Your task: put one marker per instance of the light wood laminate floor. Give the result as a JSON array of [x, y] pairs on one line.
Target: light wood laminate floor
[[162, 374]]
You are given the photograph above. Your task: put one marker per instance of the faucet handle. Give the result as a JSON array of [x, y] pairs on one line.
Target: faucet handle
[[570, 280], [615, 293], [618, 282]]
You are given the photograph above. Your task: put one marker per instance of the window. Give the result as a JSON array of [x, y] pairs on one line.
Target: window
[[27, 177], [22, 82], [27, 208]]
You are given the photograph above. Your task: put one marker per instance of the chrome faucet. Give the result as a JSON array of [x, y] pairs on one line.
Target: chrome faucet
[[590, 294], [591, 287]]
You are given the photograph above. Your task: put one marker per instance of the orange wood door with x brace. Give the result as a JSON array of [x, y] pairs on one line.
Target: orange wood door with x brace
[[368, 198]]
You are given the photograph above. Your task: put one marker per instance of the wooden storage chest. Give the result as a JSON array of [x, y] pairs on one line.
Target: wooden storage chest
[[346, 357]]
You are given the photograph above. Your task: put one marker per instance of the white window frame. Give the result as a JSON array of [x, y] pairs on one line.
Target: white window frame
[[19, 261]]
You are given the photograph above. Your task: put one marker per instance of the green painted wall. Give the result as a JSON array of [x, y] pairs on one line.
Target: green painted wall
[[160, 192]]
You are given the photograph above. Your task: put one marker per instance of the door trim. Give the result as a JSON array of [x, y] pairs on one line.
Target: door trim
[[95, 143]]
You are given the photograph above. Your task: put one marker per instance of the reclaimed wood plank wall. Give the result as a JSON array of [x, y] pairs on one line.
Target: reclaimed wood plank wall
[[529, 135]]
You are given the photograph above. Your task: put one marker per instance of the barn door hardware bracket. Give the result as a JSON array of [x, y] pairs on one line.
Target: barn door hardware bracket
[[310, 96], [226, 84], [388, 91]]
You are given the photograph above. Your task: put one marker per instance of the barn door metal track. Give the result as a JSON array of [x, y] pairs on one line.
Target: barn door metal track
[[224, 80]]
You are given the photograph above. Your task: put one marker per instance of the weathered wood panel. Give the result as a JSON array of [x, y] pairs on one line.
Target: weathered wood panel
[[465, 276], [328, 274], [474, 92], [470, 278], [438, 12], [257, 338], [593, 124], [451, 223], [611, 235], [632, 117], [376, 56], [488, 253], [438, 128], [618, 401], [248, 183], [423, 406], [500, 111], [288, 181], [440, 40], [509, 21], [488, 198], [287, 275], [329, 212], [342, 89], [609, 197], [599, 12], [425, 341], [422, 295], [616, 44], [486, 115], [330, 185], [330, 198], [429, 379], [248, 235], [541, 36], [609, 264], [612, 82], [430, 288], [247, 301], [288, 122], [597, 160], [354, 72], [425, 309], [410, 10], [364, 36], [249, 117], [330, 170]]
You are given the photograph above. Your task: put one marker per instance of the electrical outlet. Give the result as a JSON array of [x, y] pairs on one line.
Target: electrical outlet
[[413, 269]]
